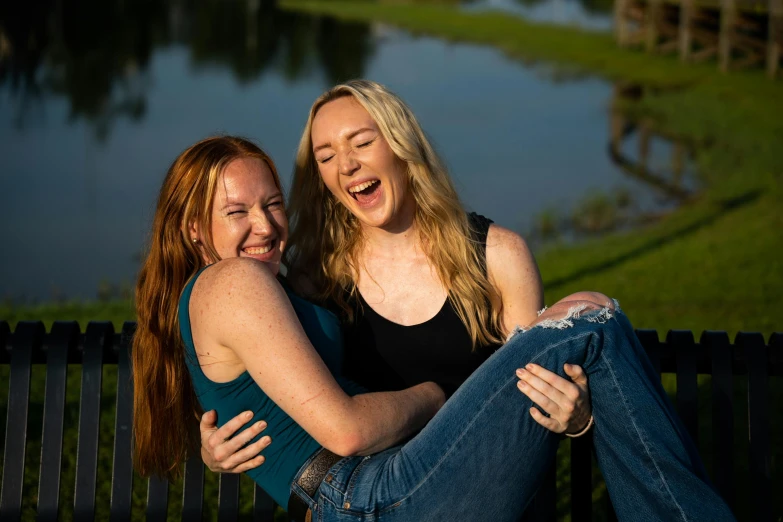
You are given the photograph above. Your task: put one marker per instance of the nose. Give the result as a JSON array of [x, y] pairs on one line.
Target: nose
[[263, 225], [347, 163]]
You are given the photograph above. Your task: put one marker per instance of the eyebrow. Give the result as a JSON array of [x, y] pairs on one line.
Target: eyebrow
[[234, 203], [349, 137]]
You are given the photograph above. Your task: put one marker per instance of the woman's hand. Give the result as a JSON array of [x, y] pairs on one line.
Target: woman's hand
[[566, 402], [226, 451]]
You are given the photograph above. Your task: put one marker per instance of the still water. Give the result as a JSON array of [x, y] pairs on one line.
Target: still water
[[97, 99], [593, 15]]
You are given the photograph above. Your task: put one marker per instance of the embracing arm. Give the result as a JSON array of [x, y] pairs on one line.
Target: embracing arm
[[514, 273], [239, 304]]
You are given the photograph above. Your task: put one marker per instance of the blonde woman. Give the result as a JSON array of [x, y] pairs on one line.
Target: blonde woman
[[215, 325], [425, 291]]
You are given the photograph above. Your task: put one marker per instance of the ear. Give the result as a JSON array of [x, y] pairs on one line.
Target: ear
[[193, 231]]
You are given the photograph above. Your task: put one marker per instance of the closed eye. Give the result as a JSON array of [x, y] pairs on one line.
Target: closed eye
[[362, 145], [324, 160]]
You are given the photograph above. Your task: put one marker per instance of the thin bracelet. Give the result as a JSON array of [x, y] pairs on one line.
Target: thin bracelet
[[584, 430]]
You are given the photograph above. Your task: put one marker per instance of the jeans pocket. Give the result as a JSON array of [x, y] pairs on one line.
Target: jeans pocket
[[349, 490]]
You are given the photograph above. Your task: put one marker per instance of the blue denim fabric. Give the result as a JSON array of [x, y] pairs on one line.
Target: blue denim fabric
[[482, 456]]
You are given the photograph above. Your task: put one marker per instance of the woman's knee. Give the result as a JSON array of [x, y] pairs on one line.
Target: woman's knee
[[597, 299]]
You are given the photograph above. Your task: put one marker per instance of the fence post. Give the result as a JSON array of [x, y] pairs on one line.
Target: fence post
[[193, 489], [621, 22], [28, 336], [687, 384], [582, 478], [157, 499], [63, 338], [228, 498], [263, 506], [122, 468], [651, 25], [686, 14], [755, 351], [728, 15], [98, 336], [773, 36], [719, 349]]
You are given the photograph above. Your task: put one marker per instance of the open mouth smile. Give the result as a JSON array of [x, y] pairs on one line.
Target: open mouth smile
[[260, 250], [365, 192]]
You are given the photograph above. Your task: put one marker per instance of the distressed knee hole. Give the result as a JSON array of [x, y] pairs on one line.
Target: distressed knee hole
[[581, 311]]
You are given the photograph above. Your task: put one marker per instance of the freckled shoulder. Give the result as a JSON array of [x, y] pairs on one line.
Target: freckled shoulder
[[229, 276], [235, 298], [514, 272], [505, 246]]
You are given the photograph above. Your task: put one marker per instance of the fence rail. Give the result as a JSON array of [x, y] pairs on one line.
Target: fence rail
[[750, 355], [739, 33]]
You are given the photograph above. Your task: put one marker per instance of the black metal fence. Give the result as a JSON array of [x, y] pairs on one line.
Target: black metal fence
[[99, 345]]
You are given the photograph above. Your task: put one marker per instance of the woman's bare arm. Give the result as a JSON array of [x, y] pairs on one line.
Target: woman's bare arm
[[514, 272], [238, 304]]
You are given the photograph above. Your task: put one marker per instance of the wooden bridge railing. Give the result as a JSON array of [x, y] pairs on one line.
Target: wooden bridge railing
[[739, 33], [29, 344]]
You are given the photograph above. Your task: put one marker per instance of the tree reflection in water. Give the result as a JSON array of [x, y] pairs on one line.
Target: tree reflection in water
[[96, 53]]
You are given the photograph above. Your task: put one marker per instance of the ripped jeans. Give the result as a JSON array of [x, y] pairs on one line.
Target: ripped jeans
[[482, 456]]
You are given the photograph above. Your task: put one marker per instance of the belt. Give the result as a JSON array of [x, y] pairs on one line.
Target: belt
[[309, 480]]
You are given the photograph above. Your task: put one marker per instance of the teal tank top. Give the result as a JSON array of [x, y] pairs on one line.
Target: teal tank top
[[291, 445]]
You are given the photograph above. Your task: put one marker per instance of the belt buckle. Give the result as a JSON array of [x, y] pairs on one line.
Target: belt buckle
[[309, 481]]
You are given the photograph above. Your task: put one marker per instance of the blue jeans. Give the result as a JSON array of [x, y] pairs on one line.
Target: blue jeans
[[482, 456]]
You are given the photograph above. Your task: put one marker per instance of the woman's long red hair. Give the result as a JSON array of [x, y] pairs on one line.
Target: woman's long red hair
[[165, 408]]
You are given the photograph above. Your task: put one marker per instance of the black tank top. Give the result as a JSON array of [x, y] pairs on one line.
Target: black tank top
[[383, 356]]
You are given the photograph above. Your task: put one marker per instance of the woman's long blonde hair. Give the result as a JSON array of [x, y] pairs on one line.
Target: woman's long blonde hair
[[165, 408], [325, 234]]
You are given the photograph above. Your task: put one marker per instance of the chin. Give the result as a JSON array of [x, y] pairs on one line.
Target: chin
[[377, 219]]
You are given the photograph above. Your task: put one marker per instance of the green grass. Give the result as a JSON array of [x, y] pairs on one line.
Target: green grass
[[116, 311]]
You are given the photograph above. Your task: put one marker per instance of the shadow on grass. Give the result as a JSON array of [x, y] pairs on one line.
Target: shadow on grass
[[724, 207]]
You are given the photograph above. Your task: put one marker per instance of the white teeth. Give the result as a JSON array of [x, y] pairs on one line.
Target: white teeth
[[258, 250], [362, 186]]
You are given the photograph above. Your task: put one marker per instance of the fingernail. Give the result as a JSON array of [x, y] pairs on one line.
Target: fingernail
[[522, 384], [260, 425], [248, 414], [520, 373], [529, 366], [266, 439]]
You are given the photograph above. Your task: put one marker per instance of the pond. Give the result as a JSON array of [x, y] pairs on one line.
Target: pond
[[97, 98], [593, 15]]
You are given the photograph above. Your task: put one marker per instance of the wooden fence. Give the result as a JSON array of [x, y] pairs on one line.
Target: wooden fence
[[751, 356], [740, 33]]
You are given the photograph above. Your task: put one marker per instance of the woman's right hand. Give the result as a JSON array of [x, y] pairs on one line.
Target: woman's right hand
[[224, 450]]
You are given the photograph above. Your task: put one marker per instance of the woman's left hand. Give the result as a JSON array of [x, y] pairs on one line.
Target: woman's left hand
[[566, 402]]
